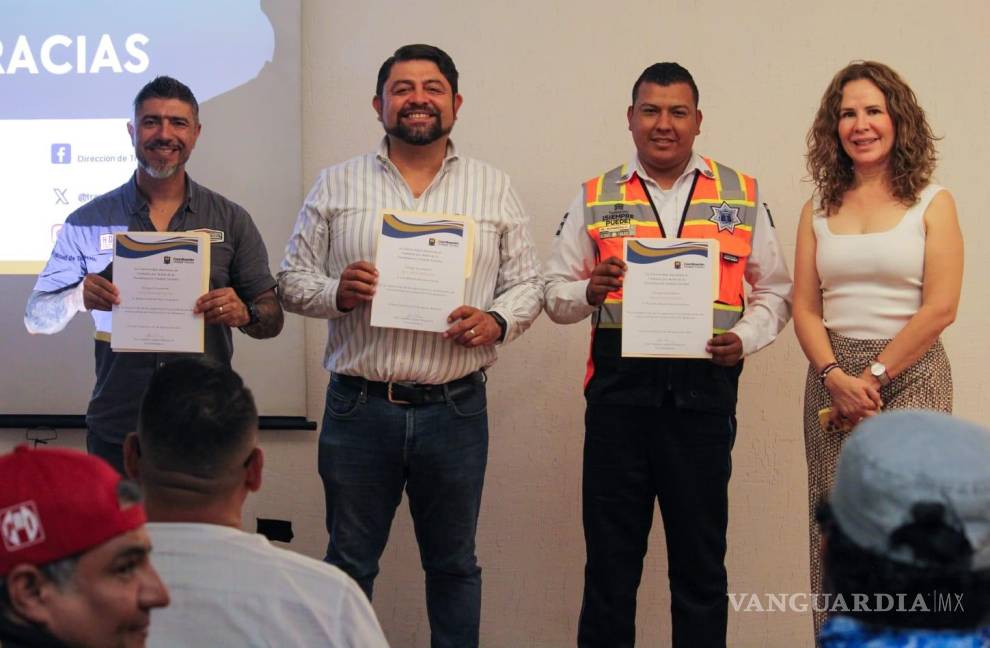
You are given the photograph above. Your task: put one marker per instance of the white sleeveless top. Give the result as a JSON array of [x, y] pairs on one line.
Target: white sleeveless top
[[871, 283]]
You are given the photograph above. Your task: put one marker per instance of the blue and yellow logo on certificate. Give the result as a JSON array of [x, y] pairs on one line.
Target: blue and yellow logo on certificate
[[130, 248], [395, 227], [642, 253]]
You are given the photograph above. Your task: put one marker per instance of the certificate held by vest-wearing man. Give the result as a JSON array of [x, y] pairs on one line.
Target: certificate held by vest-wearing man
[[666, 306], [421, 261]]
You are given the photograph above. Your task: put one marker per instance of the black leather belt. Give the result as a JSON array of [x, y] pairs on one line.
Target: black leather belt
[[407, 393]]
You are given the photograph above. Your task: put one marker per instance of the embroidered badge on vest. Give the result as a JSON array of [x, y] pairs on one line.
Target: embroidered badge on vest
[[617, 223], [725, 217]]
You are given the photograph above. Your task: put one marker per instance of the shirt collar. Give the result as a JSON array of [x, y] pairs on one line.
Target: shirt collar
[[178, 528], [382, 151], [136, 202], [185, 532], [696, 163]]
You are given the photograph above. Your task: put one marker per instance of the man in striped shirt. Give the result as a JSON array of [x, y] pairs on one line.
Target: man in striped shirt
[[406, 409]]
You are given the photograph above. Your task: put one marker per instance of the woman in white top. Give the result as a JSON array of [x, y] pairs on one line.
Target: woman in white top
[[878, 268]]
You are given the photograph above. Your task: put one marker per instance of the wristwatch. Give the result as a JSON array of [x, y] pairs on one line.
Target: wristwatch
[[252, 314], [879, 371], [502, 325]]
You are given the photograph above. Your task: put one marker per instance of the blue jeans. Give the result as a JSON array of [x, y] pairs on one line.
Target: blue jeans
[[372, 449], [112, 453]]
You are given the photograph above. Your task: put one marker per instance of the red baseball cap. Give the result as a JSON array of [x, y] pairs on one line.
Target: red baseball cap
[[57, 503]]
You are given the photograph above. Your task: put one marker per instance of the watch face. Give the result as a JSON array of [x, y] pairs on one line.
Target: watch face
[[878, 369]]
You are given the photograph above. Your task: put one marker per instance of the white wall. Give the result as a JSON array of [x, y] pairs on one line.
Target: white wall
[[546, 85]]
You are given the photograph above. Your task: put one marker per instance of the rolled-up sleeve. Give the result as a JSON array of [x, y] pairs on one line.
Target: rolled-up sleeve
[[249, 272]]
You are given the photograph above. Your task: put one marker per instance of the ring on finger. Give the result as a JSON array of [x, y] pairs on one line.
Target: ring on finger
[[472, 333], [221, 310]]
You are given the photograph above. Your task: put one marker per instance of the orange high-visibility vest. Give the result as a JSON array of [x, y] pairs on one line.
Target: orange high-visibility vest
[[722, 206]]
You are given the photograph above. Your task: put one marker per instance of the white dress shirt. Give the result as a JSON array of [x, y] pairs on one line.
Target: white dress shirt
[[231, 588], [768, 306], [337, 226]]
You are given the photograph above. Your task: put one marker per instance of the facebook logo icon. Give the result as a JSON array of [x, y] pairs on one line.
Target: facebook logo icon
[[61, 153]]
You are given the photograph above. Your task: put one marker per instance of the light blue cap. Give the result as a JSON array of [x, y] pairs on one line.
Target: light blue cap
[[896, 460]]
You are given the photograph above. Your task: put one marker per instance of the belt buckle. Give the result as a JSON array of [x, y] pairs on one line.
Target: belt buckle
[[394, 400]]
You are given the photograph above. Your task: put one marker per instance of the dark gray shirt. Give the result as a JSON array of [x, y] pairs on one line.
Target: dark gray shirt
[[85, 245]]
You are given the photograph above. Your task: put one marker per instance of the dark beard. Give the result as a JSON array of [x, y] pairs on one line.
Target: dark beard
[[418, 136]]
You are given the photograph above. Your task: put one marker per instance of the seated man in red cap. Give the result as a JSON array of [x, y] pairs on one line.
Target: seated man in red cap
[[74, 568]]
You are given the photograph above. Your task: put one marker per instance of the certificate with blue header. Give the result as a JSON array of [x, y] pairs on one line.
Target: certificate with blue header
[[422, 260], [667, 296], [160, 275]]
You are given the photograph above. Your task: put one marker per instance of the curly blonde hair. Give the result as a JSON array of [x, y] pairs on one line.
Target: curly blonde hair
[[912, 159]]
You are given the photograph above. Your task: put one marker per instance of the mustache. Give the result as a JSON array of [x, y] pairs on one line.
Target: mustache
[[422, 108], [163, 143]]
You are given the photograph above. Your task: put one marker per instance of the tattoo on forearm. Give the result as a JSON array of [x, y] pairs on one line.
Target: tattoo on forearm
[[48, 313], [270, 317]]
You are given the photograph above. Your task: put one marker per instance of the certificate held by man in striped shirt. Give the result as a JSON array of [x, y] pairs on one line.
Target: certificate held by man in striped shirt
[[422, 264]]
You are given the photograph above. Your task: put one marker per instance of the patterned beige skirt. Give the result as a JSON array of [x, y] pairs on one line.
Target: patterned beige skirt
[[925, 385]]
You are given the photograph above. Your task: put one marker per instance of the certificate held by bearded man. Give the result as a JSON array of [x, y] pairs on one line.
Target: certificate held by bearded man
[[423, 260], [160, 275]]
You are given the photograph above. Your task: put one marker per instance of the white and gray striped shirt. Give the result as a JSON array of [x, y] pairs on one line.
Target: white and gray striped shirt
[[337, 226]]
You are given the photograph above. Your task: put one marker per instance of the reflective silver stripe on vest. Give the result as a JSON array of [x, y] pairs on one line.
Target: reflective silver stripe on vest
[[725, 319], [729, 179], [611, 190], [607, 316]]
